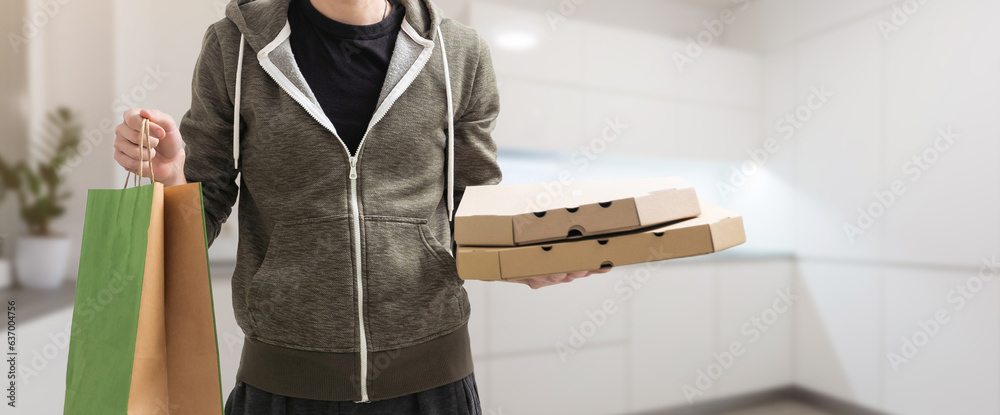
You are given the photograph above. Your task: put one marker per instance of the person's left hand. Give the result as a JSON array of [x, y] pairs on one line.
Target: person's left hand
[[547, 280]]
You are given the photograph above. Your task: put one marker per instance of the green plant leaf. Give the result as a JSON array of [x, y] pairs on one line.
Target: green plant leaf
[[10, 176], [34, 183], [59, 140], [49, 175]]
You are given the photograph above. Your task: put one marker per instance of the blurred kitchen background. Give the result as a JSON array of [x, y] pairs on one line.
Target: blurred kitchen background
[[860, 140]]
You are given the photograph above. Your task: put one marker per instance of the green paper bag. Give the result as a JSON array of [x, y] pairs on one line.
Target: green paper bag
[[143, 338]]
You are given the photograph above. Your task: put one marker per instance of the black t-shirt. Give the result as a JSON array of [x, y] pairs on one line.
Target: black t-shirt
[[345, 65]]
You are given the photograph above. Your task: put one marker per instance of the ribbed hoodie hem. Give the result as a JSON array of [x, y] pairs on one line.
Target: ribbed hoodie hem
[[336, 376]]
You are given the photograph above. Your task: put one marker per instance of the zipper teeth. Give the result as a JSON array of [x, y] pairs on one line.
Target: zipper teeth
[[356, 222], [356, 210], [357, 249], [358, 275]]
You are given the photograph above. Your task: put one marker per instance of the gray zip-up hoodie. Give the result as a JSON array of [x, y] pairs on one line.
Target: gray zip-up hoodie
[[345, 283]]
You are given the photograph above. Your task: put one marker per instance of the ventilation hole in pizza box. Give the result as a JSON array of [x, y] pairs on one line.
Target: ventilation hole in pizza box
[[658, 234], [573, 209], [574, 233], [602, 241], [539, 214], [547, 248], [605, 204], [607, 264]]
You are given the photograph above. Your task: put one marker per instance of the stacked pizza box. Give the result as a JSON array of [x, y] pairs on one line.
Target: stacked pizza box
[[515, 231]]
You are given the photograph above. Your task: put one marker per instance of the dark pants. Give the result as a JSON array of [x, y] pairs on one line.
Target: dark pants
[[458, 398]]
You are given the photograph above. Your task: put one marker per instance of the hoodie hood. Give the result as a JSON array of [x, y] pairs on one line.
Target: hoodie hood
[[260, 21], [345, 284]]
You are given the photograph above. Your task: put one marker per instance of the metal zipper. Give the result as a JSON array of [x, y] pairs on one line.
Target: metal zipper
[[356, 231], [355, 217]]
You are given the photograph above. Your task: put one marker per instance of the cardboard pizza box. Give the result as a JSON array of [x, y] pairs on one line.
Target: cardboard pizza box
[[714, 230], [522, 214]]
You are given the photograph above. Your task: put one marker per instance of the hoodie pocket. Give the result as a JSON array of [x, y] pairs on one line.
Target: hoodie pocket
[[303, 294], [414, 292]]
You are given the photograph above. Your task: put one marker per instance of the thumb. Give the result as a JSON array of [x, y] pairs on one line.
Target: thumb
[[160, 123]]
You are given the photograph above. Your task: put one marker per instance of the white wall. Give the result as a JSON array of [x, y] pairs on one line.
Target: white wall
[[134, 54], [557, 97], [857, 300], [13, 111], [62, 73], [940, 69]]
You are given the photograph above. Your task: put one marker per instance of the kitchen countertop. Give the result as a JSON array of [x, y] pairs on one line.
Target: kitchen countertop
[[33, 303]]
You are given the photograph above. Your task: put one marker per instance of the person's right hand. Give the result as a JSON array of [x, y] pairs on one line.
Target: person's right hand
[[548, 280], [165, 154]]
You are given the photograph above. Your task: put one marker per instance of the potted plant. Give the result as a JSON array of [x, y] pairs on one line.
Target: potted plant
[[5, 274], [41, 256]]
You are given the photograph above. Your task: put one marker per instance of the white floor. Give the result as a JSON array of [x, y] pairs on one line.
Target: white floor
[[780, 408]]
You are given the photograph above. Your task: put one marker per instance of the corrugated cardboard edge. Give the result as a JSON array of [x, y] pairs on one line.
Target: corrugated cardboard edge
[[728, 233], [483, 263], [653, 207], [471, 229], [680, 203]]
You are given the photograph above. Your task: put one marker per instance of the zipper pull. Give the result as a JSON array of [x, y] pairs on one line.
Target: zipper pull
[[354, 168]]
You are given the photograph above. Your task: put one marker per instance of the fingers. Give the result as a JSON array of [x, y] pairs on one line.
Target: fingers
[[131, 150], [127, 152], [125, 136], [160, 123], [131, 164], [132, 119], [536, 282], [547, 280]]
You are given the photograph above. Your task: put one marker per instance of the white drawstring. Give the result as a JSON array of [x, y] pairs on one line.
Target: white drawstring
[[236, 108], [451, 130]]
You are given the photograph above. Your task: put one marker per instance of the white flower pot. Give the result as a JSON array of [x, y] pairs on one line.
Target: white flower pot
[[41, 261]]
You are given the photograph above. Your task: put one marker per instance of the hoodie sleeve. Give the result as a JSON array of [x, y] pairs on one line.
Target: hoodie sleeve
[[207, 132], [475, 150]]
